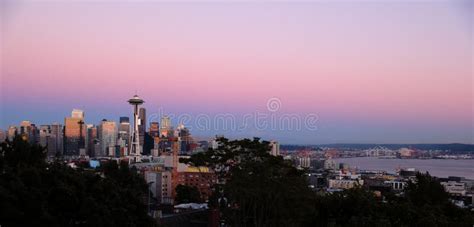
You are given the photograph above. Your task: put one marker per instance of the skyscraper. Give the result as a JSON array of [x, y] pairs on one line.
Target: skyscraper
[[12, 132], [184, 138], [25, 127], [48, 139], [34, 134], [142, 125], [92, 141], [108, 137], [44, 134], [275, 148], [57, 137], [74, 133], [28, 131], [124, 130], [76, 113], [165, 126], [3, 135], [154, 133], [154, 129]]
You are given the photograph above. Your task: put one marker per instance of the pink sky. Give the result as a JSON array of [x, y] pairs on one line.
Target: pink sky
[[403, 68]]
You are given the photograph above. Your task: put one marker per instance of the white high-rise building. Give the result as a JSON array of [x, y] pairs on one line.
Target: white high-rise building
[[107, 136], [165, 126], [77, 113], [12, 132], [275, 148]]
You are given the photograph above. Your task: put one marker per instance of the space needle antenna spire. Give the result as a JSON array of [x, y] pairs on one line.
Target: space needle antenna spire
[[135, 149]]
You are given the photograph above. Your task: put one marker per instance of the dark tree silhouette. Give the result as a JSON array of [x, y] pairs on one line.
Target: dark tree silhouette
[[36, 193], [257, 189], [187, 194], [260, 189]]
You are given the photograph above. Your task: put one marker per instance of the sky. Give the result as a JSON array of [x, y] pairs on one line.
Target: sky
[[317, 71]]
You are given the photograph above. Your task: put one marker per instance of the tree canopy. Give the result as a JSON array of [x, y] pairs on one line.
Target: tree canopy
[[257, 189], [187, 194], [36, 193]]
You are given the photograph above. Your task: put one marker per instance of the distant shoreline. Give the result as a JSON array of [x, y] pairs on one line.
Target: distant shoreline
[[436, 167], [452, 147]]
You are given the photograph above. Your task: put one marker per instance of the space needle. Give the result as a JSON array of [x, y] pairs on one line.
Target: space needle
[[135, 150]]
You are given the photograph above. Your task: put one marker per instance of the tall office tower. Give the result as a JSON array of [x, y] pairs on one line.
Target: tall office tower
[[135, 143], [123, 140], [29, 132], [275, 148], [142, 125], [34, 134], [87, 139], [165, 126], [122, 147], [26, 131], [44, 134], [12, 132], [124, 130], [92, 140], [57, 136], [154, 129], [48, 140], [154, 133], [76, 113], [184, 138], [25, 127], [74, 133], [178, 129], [3, 135], [108, 137]]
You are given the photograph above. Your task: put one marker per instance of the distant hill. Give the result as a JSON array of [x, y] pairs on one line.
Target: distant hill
[[453, 147]]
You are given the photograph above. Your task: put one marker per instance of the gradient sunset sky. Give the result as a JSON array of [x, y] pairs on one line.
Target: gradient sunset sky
[[372, 71]]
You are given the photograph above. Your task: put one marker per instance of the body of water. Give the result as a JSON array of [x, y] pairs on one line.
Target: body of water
[[436, 167]]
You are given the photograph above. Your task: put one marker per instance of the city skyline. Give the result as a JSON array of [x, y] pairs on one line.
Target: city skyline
[[372, 73]]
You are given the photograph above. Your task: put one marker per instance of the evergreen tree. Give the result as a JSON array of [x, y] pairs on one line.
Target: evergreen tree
[[36, 193], [257, 189], [187, 194]]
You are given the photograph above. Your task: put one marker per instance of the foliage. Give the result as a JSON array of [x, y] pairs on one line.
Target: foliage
[[36, 193], [257, 189], [260, 189], [187, 194]]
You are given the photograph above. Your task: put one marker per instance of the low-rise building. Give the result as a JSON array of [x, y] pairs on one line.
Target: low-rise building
[[160, 185], [344, 183], [199, 177], [455, 188], [396, 185]]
